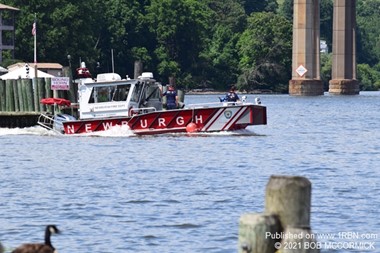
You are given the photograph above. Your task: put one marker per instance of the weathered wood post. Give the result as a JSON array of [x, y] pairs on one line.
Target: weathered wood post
[[20, 95], [298, 240], [2, 250], [15, 95], [138, 69], [290, 198], [10, 100], [40, 93], [253, 233], [2, 96], [24, 85], [72, 92], [164, 99], [287, 214], [29, 94], [48, 93], [36, 101], [181, 97]]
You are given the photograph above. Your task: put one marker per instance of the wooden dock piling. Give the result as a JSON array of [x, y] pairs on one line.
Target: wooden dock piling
[[20, 100], [253, 229], [290, 198], [2, 96], [286, 217], [10, 100]]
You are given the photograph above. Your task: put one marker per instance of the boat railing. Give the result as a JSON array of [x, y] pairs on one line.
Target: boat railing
[[213, 104], [46, 121]]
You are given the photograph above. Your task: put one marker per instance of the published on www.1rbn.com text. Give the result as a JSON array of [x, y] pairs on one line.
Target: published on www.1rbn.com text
[[334, 241]]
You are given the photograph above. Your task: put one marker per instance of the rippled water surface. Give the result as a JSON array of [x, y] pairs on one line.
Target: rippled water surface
[[180, 193]]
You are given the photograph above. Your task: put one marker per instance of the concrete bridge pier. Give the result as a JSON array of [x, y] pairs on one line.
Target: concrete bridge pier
[[306, 79], [344, 49]]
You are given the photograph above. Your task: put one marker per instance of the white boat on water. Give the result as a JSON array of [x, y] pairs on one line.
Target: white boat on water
[[110, 101]]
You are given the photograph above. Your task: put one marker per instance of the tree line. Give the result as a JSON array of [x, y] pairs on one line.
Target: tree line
[[201, 43]]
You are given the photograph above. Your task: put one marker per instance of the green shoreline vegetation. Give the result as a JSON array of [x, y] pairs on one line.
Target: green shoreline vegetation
[[203, 44]]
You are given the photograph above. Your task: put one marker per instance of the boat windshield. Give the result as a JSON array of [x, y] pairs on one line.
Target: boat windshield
[[109, 93], [153, 92], [137, 92]]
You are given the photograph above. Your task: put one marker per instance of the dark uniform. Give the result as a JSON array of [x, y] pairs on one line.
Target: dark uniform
[[171, 98]]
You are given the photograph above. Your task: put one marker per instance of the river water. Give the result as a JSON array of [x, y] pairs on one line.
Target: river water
[[185, 193]]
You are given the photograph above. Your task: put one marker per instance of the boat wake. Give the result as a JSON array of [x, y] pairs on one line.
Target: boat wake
[[34, 130], [242, 132], [116, 131]]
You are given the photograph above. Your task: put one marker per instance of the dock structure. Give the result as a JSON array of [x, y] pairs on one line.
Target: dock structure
[[20, 100], [287, 213], [18, 119]]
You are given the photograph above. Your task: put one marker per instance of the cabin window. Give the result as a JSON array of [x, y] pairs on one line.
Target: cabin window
[[121, 93], [153, 92], [100, 94], [109, 94], [136, 92]]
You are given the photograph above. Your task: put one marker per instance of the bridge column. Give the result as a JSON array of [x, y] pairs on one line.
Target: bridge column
[[306, 79], [344, 46]]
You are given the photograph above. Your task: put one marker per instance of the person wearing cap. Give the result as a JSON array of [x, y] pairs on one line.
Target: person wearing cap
[[231, 96], [171, 98]]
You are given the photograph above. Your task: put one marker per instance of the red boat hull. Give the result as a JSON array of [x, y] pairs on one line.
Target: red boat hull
[[213, 119]]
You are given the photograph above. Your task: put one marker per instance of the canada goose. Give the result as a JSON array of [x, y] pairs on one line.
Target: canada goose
[[46, 247]]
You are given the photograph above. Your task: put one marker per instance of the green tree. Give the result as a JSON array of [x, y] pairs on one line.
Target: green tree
[[286, 9], [126, 33], [368, 77], [326, 67], [265, 50], [368, 42], [260, 5], [180, 28], [63, 27], [220, 56], [326, 21]]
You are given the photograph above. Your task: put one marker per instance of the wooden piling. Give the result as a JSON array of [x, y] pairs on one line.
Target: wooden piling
[[164, 99], [40, 94], [29, 94], [10, 100], [2, 96], [181, 96], [36, 101], [15, 95], [138, 69], [298, 240], [21, 100], [287, 214], [24, 85], [48, 93], [290, 198], [72, 92], [255, 231]]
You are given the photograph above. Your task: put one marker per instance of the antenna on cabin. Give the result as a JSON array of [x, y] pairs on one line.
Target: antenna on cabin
[[113, 67]]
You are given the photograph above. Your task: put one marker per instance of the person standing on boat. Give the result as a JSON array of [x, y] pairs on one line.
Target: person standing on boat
[[171, 98], [231, 96]]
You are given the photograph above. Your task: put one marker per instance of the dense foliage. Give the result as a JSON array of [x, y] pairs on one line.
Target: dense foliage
[[201, 43]]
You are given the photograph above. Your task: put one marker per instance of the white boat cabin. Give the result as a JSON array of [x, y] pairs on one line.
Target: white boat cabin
[[109, 96]]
